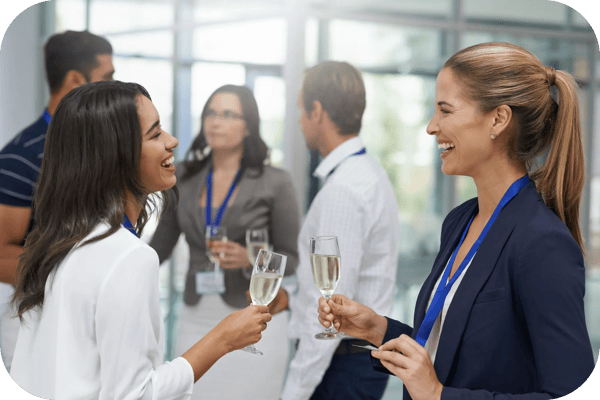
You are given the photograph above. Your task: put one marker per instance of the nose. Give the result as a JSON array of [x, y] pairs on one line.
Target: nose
[[171, 142], [432, 127]]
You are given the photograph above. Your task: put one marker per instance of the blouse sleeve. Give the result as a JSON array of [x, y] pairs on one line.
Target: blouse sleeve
[[128, 334], [285, 223], [167, 232]]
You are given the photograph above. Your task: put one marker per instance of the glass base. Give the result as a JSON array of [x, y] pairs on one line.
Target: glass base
[[330, 335], [253, 350]]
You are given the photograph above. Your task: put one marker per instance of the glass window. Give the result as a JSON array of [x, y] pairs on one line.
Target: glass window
[[365, 44], [257, 41], [150, 44], [119, 15], [156, 76], [270, 96], [311, 48], [580, 21], [537, 11], [70, 15], [212, 11], [394, 131], [206, 78], [424, 7]]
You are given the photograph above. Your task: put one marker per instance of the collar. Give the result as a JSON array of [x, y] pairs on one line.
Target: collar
[[338, 155]]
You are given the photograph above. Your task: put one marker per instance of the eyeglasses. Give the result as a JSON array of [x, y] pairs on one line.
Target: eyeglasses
[[226, 115]]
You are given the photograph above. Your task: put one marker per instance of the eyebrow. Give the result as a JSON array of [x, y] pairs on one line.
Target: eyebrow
[[441, 103], [154, 125]]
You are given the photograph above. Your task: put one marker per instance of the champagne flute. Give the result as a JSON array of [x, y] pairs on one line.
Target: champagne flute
[[256, 239], [267, 274], [215, 237], [325, 262]]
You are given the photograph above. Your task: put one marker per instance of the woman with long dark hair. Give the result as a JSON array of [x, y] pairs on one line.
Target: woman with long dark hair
[[227, 161], [501, 316], [87, 286]]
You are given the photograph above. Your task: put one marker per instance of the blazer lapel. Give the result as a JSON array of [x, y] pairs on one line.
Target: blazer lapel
[[475, 278], [199, 183], [246, 187]]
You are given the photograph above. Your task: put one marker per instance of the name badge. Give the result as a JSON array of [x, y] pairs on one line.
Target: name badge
[[210, 282]]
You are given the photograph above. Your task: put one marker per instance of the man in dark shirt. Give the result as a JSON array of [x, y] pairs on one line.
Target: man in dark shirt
[[71, 59]]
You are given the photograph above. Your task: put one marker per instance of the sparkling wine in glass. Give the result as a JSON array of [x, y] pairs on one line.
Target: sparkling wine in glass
[[326, 262], [267, 274], [215, 237], [256, 239]]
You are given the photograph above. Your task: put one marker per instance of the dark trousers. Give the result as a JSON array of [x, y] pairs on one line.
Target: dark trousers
[[351, 377]]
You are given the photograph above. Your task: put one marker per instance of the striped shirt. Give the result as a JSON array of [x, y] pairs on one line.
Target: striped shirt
[[357, 204], [20, 162]]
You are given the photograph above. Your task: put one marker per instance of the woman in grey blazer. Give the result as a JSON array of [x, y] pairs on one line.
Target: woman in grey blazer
[[229, 148]]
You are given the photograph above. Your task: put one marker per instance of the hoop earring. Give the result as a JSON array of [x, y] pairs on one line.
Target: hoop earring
[[493, 136]]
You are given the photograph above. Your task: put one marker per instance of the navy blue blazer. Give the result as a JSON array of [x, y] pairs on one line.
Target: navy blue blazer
[[516, 326]]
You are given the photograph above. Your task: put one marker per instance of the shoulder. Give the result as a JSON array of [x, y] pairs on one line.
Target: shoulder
[[121, 249], [27, 145]]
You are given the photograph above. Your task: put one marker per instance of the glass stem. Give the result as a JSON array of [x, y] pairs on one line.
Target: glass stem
[[331, 329]]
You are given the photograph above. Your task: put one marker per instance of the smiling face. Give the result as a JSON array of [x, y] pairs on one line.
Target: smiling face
[[156, 162], [462, 131], [224, 124]]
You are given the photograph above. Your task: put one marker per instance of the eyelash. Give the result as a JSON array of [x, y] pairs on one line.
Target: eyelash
[[444, 111], [157, 134]]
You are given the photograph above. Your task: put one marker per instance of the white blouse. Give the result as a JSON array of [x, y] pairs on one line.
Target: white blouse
[[99, 334]]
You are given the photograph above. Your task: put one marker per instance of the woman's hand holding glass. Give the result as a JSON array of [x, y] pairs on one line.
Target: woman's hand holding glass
[[231, 255], [244, 327], [352, 318]]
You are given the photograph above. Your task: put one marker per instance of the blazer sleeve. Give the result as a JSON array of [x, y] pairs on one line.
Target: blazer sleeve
[[549, 281], [394, 329], [285, 223], [167, 232]]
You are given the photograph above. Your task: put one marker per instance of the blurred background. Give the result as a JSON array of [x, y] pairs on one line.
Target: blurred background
[[181, 50]]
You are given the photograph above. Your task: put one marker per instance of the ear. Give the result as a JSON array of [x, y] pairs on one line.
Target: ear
[[501, 119], [73, 79], [317, 111]]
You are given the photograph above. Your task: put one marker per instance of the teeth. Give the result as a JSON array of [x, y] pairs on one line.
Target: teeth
[[168, 162], [445, 146]]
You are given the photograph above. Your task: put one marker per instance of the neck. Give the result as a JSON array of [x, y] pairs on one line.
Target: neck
[[54, 100], [227, 161], [493, 185], [331, 140], [132, 209]]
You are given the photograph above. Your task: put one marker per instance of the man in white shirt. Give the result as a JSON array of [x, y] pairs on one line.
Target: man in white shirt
[[358, 205]]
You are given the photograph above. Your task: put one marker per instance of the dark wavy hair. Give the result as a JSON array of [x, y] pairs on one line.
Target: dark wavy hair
[[91, 160], [255, 149]]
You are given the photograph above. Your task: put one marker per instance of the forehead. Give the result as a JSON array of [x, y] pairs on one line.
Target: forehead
[[449, 88], [147, 113], [226, 101], [104, 63]]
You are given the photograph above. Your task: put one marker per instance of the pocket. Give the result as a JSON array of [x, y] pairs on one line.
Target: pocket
[[491, 295]]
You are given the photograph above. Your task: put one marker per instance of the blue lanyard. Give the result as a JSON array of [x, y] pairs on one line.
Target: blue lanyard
[[208, 211], [47, 116], [444, 288], [127, 225], [358, 153]]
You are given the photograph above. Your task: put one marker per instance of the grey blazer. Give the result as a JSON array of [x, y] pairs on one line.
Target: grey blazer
[[264, 200]]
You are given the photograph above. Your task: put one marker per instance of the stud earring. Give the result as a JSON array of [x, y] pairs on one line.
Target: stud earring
[[493, 136]]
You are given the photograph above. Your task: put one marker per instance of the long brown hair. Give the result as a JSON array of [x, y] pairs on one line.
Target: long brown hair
[[91, 159], [497, 74]]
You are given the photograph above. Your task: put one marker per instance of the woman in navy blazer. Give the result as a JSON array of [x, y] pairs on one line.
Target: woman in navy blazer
[[514, 325]]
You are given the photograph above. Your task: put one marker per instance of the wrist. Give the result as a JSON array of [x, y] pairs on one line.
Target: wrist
[[378, 330]]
